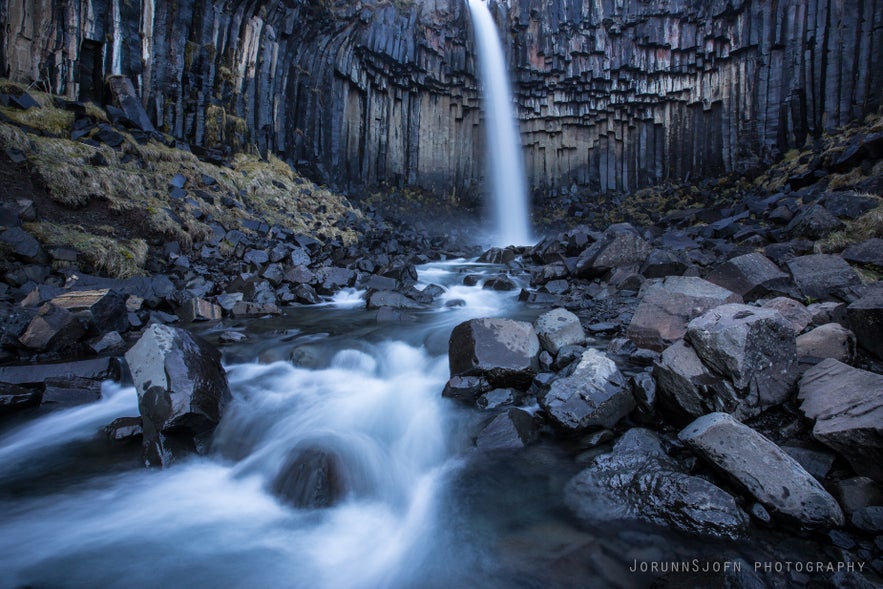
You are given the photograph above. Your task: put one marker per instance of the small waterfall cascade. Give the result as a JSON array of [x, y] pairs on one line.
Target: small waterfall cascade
[[506, 165]]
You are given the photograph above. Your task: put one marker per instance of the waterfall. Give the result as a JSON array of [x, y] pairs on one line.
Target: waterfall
[[116, 64], [506, 166]]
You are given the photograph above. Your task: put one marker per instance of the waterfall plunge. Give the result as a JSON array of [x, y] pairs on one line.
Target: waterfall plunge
[[506, 167]]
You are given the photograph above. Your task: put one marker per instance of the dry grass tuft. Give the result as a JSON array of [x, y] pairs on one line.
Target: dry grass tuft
[[98, 253], [865, 227]]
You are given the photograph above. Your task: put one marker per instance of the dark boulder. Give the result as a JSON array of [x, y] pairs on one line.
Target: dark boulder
[[847, 406], [750, 276], [466, 388], [639, 481], [866, 320], [99, 310], [129, 102], [753, 347], [763, 469], [22, 244], [591, 393], [831, 340], [824, 277], [813, 222], [182, 389], [619, 246], [558, 328], [331, 279], [392, 299], [511, 430], [54, 328], [247, 309], [502, 350], [124, 429], [70, 391], [688, 389], [668, 305], [867, 253]]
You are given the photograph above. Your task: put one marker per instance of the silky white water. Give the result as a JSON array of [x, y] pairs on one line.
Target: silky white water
[[504, 154], [374, 404]]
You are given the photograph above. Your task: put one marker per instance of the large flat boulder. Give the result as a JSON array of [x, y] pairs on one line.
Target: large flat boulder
[[751, 276], [182, 389], [846, 404], [592, 393], [753, 347], [773, 477], [667, 307], [503, 351], [824, 277], [638, 481], [866, 320], [558, 328]]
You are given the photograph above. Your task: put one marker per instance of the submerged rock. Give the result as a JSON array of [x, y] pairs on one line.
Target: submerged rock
[[182, 389], [763, 469], [638, 481], [313, 478]]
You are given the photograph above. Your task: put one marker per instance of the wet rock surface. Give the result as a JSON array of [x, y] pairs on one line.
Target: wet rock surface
[[767, 472], [638, 480], [182, 390]]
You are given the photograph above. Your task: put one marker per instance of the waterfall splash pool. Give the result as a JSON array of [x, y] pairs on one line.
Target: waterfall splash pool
[[423, 508]]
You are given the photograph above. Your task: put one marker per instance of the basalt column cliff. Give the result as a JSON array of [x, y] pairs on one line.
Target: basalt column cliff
[[612, 94]]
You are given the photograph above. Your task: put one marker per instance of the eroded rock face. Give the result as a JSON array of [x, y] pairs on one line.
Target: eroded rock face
[[182, 389], [638, 481], [612, 95], [765, 470]]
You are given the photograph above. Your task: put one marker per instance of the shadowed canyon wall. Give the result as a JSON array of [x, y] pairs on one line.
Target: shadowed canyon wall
[[612, 94]]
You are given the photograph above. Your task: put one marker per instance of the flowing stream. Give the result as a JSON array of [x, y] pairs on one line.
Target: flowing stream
[[424, 508], [505, 159]]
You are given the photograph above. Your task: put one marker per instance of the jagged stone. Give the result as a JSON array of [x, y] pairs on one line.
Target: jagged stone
[[847, 406], [558, 328], [54, 328], [182, 389], [620, 245], [101, 310], [22, 243], [511, 430], [763, 469], [750, 276], [502, 350], [668, 305], [591, 393], [753, 347], [638, 481], [866, 320], [688, 389]]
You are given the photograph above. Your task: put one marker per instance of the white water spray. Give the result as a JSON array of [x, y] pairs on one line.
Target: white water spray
[[506, 165]]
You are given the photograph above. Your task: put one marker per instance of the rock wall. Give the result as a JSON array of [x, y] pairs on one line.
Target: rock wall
[[612, 94]]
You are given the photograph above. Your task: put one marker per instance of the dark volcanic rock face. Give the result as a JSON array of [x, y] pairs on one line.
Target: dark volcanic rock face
[[612, 95]]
